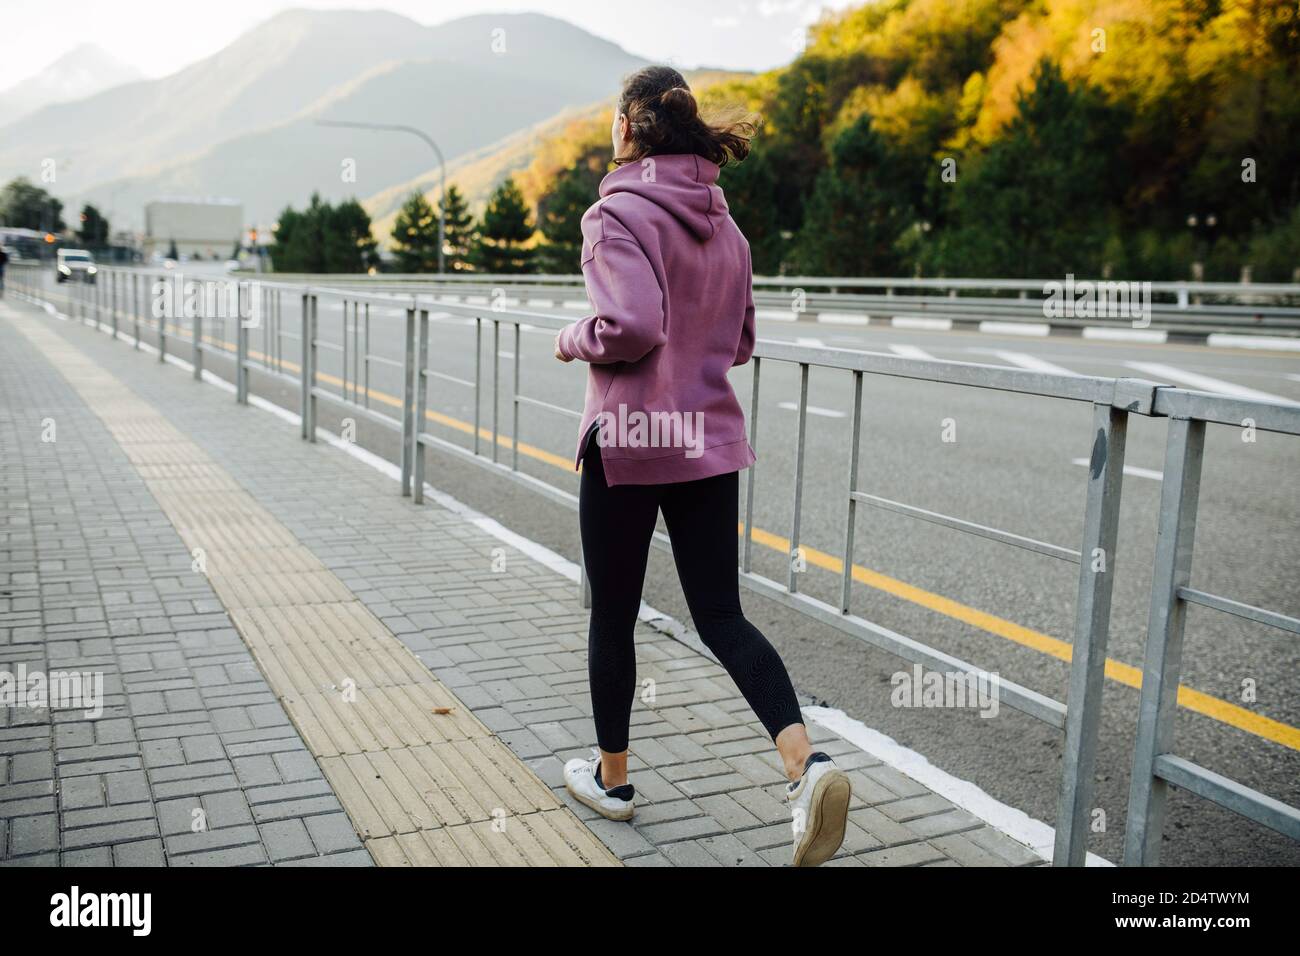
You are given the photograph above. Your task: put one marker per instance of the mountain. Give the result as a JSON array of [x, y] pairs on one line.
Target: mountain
[[479, 172], [246, 123], [268, 73], [80, 72]]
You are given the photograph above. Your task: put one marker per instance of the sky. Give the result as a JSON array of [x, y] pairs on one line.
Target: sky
[[159, 37]]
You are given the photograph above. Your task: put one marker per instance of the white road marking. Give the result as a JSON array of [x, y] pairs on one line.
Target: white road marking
[[1133, 470], [919, 322], [812, 410], [1025, 360], [844, 318], [1039, 329], [1229, 341], [1109, 334], [811, 343], [911, 351], [1204, 382]]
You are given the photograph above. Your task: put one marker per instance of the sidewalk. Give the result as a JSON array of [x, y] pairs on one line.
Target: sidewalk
[[300, 666]]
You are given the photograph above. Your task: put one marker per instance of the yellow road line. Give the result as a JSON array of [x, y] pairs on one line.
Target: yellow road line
[[1194, 700]]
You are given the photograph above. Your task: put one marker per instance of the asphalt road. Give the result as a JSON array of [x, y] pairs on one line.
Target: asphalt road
[[1014, 465]]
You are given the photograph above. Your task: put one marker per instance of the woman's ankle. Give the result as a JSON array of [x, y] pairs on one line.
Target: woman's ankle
[[613, 769]]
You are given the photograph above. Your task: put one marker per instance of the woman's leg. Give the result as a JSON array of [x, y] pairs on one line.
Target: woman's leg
[[701, 519], [617, 525]]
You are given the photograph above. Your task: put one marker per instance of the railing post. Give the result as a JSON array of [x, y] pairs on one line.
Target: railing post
[[197, 360], [135, 307], [1091, 629], [112, 303], [308, 373], [421, 401], [346, 353], [241, 344], [514, 397], [162, 329], [1175, 533], [478, 377], [850, 520], [747, 552], [408, 399], [792, 557]]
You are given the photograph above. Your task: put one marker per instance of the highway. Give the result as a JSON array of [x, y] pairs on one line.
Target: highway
[[1017, 463]]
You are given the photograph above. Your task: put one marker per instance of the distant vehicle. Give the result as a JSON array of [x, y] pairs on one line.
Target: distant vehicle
[[232, 265], [75, 265]]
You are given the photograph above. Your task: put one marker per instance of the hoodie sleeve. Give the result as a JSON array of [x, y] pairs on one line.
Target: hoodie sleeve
[[629, 318], [745, 350]]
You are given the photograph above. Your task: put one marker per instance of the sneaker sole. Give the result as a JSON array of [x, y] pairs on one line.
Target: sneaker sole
[[828, 813], [620, 815]]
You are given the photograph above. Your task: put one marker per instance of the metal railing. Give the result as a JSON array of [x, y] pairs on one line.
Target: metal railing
[[1112, 400], [1186, 311], [1155, 764]]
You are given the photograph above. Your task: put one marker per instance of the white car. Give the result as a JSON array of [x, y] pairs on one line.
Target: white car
[[75, 264]]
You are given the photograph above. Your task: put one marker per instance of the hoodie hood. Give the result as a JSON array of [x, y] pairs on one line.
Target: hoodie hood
[[684, 185]]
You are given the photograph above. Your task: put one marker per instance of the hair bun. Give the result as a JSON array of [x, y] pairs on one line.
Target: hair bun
[[679, 101]]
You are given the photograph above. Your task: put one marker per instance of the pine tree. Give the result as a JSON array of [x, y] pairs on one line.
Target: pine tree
[[506, 225], [458, 229], [415, 236], [559, 216], [857, 211]]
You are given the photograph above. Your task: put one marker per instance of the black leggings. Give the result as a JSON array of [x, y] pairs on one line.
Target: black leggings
[[617, 524]]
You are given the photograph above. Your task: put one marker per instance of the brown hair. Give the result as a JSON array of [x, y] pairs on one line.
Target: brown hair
[[664, 118]]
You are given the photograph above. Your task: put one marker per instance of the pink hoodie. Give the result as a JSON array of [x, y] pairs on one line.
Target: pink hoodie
[[668, 274]]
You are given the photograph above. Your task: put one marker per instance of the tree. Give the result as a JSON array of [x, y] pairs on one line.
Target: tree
[[349, 245], [858, 209], [559, 216], [751, 190], [24, 205], [458, 229], [506, 226], [324, 238], [93, 232], [1034, 202], [415, 236]]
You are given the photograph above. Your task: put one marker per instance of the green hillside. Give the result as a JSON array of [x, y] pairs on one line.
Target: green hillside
[[1022, 138]]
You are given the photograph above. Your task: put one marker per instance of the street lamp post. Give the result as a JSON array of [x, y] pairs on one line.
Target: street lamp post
[[442, 170]]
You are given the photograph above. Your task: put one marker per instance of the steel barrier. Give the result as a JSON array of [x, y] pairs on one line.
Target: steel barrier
[[1113, 400], [1155, 764]]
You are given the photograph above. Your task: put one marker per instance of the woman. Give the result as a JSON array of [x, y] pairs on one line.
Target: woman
[[668, 273]]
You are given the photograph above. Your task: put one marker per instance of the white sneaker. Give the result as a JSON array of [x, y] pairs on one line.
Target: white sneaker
[[819, 810], [582, 779]]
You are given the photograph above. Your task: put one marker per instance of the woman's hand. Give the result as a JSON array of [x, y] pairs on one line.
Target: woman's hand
[[559, 353]]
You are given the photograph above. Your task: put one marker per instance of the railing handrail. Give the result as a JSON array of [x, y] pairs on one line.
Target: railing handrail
[[1165, 287]]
